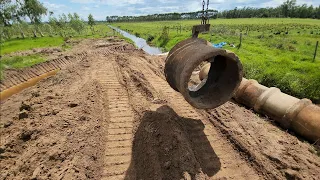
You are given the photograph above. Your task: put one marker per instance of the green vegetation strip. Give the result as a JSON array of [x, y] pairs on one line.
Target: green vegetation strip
[[19, 62], [276, 52], [29, 43]]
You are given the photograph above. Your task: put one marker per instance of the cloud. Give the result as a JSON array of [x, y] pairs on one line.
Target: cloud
[[108, 2], [83, 1], [85, 8], [53, 6], [102, 8]]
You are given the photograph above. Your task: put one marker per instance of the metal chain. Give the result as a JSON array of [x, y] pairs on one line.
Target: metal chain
[[203, 4], [207, 11], [203, 18]]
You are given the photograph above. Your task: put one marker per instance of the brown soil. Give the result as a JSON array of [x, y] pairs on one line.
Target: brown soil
[[111, 115]]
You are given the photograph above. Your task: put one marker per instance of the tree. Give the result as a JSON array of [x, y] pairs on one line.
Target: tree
[[288, 8], [63, 24], [76, 23], [7, 13], [91, 22], [21, 26], [33, 9]]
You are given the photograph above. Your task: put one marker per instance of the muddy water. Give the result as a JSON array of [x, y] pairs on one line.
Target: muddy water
[[139, 42]]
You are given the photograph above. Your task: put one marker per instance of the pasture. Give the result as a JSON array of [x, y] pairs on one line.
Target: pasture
[[275, 52]]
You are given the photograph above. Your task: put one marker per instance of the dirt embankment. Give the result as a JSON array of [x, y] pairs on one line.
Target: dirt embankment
[[112, 115]]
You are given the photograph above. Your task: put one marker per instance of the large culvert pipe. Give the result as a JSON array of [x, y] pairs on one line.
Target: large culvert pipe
[[223, 78], [301, 116]]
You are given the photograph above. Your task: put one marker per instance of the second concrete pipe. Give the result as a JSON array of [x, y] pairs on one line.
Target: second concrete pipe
[[301, 116]]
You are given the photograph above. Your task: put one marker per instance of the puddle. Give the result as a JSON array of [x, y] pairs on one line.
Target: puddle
[[139, 42], [31, 82]]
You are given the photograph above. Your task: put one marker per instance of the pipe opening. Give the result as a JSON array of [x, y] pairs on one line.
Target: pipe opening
[[217, 67], [220, 82], [195, 83]]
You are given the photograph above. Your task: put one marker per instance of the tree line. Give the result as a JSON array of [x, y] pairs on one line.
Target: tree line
[[162, 17], [288, 9], [17, 15]]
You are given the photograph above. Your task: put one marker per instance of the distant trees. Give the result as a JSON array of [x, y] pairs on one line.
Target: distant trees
[[76, 23], [7, 13], [288, 9], [33, 9], [17, 15], [67, 25], [14, 12], [161, 17]]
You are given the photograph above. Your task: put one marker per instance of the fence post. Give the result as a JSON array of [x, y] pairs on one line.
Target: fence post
[[240, 41], [315, 52]]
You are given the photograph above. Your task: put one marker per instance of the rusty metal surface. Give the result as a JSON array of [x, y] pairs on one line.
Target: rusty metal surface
[[307, 123], [199, 29], [224, 76]]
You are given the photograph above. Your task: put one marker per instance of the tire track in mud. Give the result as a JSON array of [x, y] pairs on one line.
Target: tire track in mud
[[231, 164], [272, 156], [119, 128]]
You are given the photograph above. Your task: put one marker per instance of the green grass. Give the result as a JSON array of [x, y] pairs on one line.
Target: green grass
[[283, 61], [19, 44], [29, 43], [19, 62], [100, 31]]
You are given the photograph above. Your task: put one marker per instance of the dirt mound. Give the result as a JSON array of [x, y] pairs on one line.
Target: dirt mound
[[110, 114], [57, 139], [162, 149]]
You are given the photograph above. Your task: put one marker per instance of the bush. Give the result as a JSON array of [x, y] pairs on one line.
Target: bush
[[294, 42], [150, 38], [292, 48], [137, 34], [164, 38]]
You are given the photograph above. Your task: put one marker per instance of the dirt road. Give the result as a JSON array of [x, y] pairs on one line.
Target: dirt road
[[112, 115]]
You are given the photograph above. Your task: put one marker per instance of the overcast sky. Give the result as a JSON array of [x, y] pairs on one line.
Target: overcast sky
[[102, 8]]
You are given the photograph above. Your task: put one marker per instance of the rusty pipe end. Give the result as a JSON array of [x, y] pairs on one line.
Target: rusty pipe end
[[307, 123], [224, 75]]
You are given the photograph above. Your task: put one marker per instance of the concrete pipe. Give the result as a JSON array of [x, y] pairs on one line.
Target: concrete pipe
[[224, 75], [292, 113]]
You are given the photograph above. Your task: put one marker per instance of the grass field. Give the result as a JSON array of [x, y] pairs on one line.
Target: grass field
[[276, 52], [29, 43], [18, 44]]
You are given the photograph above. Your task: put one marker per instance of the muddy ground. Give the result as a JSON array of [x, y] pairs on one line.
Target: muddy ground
[[111, 115]]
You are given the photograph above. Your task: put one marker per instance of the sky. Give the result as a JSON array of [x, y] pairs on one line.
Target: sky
[[102, 8]]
